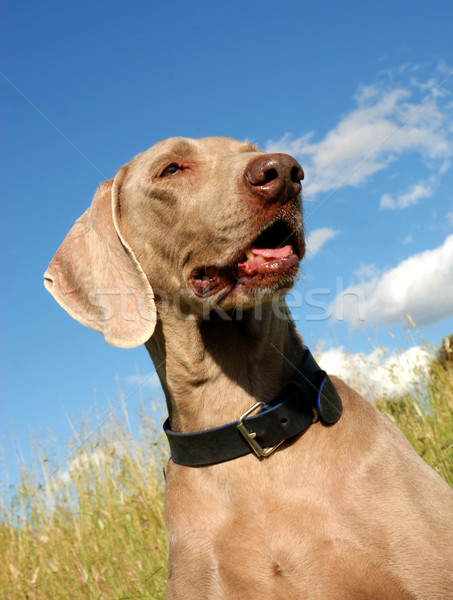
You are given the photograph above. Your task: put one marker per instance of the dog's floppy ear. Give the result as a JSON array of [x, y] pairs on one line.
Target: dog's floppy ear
[[96, 277]]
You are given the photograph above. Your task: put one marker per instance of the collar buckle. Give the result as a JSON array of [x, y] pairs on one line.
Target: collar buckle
[[250, 436]]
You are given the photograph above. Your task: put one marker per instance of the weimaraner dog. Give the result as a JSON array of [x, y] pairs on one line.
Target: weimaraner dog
[[283, 483]]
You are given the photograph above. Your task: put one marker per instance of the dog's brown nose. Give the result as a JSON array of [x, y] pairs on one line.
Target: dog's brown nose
[[274, 177]]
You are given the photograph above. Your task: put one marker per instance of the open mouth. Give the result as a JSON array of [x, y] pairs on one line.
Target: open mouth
[[274, 254]]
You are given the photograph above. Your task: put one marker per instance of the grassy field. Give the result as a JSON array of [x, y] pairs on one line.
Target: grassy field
[[94, 529]]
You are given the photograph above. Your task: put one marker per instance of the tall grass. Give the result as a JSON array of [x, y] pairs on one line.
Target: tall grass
[[94, 529], [425, 416]]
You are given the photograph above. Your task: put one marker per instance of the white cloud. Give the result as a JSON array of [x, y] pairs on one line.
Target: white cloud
[[317, 238], [418, 191], [366, 271], [408, 239], [149, 381], [377, 373], [83, 462], [62, 480], [450, 217], [421, 285], [388, 122]]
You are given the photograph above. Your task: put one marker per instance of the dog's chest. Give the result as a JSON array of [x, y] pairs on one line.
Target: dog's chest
[[235, 564], [227, 544]]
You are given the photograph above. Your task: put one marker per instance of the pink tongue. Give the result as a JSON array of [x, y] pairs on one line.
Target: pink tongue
[[272, 252], [262, 257]]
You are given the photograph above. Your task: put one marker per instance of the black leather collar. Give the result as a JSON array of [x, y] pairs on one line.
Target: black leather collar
[[308, 396]]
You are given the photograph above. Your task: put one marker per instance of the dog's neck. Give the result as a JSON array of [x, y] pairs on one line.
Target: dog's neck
[[214, 369]]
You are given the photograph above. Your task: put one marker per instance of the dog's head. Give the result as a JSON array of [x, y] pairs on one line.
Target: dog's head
[[204, 223]]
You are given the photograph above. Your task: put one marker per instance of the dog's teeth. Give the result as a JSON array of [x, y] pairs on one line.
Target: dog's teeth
[[249, 254]]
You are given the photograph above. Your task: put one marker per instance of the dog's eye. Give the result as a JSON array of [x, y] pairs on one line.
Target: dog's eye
[[172, 169]]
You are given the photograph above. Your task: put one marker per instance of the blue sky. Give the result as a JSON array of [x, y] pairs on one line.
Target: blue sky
[[361, 93]]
